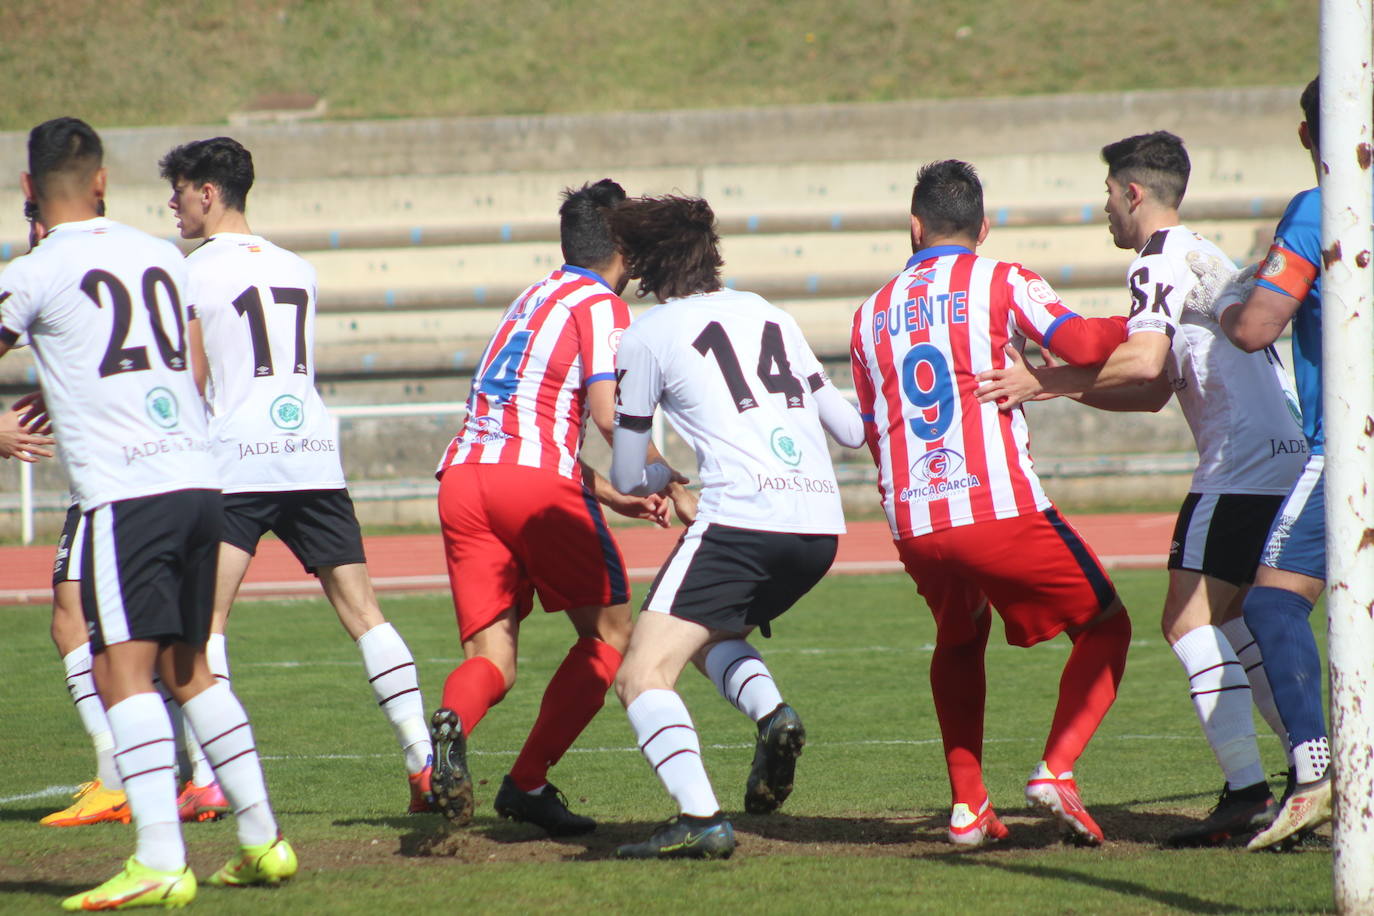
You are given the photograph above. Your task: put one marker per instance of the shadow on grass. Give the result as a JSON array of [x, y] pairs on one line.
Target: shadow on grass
[[29, 814], [918, 836], [1131, 889], [43, 888]]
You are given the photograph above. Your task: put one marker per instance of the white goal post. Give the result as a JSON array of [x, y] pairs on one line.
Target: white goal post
[[1348, 408]]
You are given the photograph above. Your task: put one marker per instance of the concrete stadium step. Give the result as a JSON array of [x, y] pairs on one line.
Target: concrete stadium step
[[310, 214]]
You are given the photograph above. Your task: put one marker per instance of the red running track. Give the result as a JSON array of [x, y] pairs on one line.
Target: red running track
[[415, 562]]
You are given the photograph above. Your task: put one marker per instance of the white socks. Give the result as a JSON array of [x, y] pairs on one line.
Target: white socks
[[742, 678], [1311, 759], [147, 762], [1221, 696], [1248, 651], [391, 672], [81, 685], [217, 654], [191, 762], [217, 714], [664, 732]]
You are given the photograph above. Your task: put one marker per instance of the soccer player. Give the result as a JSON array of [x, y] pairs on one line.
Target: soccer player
[[743, 388], [519, 514], [1292, 572], [102, 306], [252, 334], [972, 525], [1243, 414]]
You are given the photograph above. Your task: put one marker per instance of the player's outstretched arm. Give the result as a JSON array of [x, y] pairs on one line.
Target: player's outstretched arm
[[1260, 319]]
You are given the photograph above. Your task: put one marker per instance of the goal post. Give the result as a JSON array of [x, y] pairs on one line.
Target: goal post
[[1348, 412]]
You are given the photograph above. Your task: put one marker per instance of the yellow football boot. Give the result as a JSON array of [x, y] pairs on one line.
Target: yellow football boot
[[266, 863], [94, 804], [138, 885]]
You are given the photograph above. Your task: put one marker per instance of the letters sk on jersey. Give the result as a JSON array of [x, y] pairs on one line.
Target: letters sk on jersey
[[102, 306], [529, 392], [944, 459]]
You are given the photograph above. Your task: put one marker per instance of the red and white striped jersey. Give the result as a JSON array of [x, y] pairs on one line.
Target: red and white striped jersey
[[944, 459], [528, 399]]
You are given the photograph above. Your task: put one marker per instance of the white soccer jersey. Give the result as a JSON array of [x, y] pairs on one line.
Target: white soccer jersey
[[736, 378], [1241, 407], [103, 306], [269, 426]]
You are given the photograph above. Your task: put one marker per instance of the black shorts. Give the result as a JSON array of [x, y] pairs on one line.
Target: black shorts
[[148, 568], [66, 565], [319, 526], [1222, 535], [730, 579]]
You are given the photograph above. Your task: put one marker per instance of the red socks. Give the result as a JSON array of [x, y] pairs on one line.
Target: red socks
[[472, 688], [571, 701], [958, 683], [1087, 689]]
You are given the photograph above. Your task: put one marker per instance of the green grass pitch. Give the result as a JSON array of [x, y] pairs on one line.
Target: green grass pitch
[[862, 832]]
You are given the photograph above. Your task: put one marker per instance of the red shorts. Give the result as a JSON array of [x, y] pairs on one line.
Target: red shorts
[[1034, 569], [511, 530]]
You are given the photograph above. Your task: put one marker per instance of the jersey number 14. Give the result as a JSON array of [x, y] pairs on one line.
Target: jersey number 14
[[774, 369]]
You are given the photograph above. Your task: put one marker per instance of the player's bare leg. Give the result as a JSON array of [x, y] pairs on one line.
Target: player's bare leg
[[740, 676], [479, 683], [1220, 690], [101, 799], [575, 694], [390, 670], [660, 647], [1087, 690]]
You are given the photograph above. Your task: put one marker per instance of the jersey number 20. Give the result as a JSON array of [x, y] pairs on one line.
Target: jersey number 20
[[119, 358]]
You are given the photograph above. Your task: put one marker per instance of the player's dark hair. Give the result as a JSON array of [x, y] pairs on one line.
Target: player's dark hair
[[948, 199], [1157, 162], [62, 148], [582, 227], [1311, 103], [670, 244], [220, 161]]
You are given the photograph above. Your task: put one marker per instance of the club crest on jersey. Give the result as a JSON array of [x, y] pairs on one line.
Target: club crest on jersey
[[1294, 407], [785, 447], [162, 407], [937, 464], [287, 412], [922, 277]]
